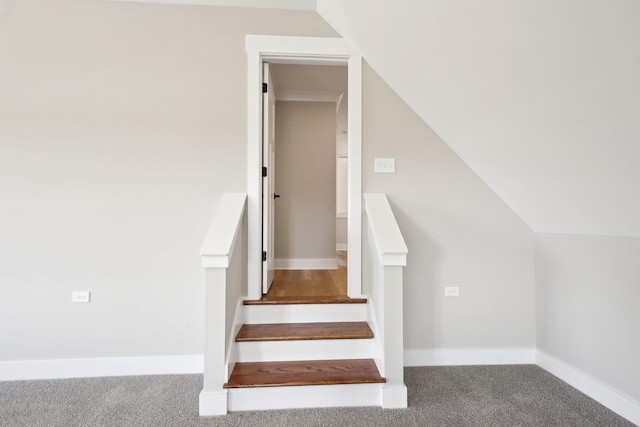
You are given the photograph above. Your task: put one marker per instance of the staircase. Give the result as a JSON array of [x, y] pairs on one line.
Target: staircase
[[289, 353], [279, 353]]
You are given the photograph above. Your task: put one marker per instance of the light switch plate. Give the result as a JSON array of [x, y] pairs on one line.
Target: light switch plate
[[385, 165]]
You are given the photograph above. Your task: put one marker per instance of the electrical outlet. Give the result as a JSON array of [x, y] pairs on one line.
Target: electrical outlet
[[80, 296], [385, 165], [451, 291]]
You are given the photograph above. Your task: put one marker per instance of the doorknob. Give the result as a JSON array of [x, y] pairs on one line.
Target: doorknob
[[276, 196]]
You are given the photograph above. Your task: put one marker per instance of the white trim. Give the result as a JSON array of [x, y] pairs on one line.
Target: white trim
[[354, 176], [305, 313], [221, 238], [313, 396], [478, 356], [282, 351], [296, 50], [378, 351], [598, 391], [393, 396], [232, 349], [308, 96], [387, 237], [305, 263], [308, 5], [342, 247], [212, 403], [100, 367]]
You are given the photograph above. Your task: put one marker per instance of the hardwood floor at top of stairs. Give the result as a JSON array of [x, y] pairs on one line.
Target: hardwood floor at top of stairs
[[308, 286], [308, 283]]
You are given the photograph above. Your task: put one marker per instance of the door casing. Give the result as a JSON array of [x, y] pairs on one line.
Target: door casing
[[312, 51]]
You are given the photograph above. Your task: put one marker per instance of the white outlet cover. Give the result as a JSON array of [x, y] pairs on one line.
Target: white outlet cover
[[384, 165], [451, 291], [80, 296]]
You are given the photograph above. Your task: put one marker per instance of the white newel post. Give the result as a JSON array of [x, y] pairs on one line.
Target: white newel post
[[394, 392], [391, 251], [216, 254], [213, 398]]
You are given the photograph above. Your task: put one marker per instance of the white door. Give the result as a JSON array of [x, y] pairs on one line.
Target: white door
[[268, 181]]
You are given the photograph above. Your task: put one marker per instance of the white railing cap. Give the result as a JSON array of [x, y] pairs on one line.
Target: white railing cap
[[221, 237], [388, 240]]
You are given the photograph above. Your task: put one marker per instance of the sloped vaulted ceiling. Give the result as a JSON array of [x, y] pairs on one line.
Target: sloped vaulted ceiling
[[540, 98]]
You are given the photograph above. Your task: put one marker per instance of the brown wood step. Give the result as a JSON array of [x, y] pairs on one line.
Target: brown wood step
[[300, 373], [306, 300], [304, 331]]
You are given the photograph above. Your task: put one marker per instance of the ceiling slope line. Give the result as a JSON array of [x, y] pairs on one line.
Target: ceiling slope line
[[302, 5]]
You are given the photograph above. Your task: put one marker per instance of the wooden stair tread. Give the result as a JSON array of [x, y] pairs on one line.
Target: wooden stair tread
[[304, 331], [306, 300], [302, 373]]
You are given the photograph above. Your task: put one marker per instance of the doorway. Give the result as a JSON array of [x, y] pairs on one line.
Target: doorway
[[302, 51], [306, 110]]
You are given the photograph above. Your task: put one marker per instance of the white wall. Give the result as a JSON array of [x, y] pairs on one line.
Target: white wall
[[120, 126], [539, 98], [587, 297], [459, 233], [305, 213]]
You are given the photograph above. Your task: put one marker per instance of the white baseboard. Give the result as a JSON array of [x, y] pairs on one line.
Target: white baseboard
[[453, 357], [100, 367], [342, 246], [602, 393], [305, 263]]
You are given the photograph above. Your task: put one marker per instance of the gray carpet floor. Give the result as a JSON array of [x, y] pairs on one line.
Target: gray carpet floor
[[523, 395]]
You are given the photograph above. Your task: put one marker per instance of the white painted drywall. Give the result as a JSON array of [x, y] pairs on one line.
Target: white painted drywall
[[115, 147], [305, 219], [587, 297], [540, 99], [121, 125], [458, 231]]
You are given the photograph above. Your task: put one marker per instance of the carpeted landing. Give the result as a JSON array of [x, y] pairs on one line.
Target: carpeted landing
[[523, 395]]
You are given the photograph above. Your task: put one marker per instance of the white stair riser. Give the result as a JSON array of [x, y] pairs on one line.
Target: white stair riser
[[317, 396], [272, 351], [304, 313]]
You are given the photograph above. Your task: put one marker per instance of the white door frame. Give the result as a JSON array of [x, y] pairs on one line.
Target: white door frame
[[302, 50]]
